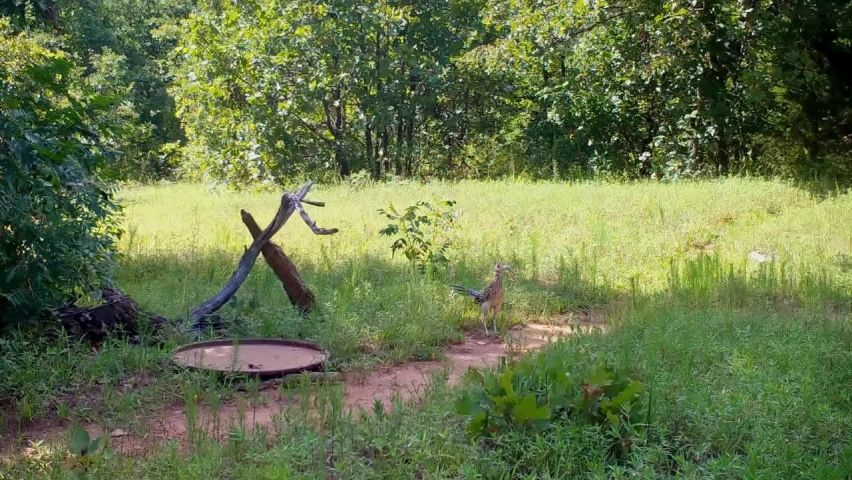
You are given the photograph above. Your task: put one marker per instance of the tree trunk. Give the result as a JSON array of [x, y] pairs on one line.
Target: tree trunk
[[299, 294], [409, 147], [723, 157], [341, 160], [383, 152], [645, 166], [398, 156], [368, 146]]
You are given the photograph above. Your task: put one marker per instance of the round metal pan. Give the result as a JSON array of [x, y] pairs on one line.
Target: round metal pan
[[315, 364]]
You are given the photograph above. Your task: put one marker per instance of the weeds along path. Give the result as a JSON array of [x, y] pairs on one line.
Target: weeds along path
[[250, 411]]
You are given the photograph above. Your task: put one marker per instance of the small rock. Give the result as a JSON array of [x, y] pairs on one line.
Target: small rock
[[480, 343], [118, 433], [759, 257]]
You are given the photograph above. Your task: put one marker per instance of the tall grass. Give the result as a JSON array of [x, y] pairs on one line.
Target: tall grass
[[748, 362], [572, 245]]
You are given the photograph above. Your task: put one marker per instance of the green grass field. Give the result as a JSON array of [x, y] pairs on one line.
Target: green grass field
[[748, 363]]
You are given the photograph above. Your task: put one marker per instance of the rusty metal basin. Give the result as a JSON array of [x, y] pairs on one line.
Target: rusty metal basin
[[260, 356]]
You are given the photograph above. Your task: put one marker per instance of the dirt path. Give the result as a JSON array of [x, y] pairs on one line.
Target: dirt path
[[406, 380]]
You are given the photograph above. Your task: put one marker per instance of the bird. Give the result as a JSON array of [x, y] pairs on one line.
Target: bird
[[490, 299]]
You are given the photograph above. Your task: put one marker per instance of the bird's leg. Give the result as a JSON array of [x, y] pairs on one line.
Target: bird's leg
[[484, 315], [497, 310]]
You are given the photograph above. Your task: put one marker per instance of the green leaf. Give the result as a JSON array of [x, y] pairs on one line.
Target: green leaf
[[633, 389], [96, 445], [558, 395], [476, 426], [526, 410], [79, 440], [506, 382], [613, 419], [600, 377], [466, 405]]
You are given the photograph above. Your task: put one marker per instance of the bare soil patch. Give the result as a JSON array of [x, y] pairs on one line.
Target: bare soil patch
[[407, 381]]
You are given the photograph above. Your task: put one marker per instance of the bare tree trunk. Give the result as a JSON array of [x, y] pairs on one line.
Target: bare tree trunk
[[368, 147], [409, 147], [384, 154], [297, 291], [398, 156]]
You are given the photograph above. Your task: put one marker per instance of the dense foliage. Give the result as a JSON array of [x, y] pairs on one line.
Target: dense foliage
[[120, 47], [57, 230], [449, 88], [269, 89], [261, 91], [83, 101]]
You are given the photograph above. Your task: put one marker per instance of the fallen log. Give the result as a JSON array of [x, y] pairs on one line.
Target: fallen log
[[297, 291], [119, 314]]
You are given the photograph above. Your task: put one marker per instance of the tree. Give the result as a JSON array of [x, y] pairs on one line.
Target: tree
[[269, 89]]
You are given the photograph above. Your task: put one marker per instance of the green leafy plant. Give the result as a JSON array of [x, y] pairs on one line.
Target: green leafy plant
[[81, 444], [606, 395], [498, 406], [538, 391], [59, 222], [85, 451], [423, 232]]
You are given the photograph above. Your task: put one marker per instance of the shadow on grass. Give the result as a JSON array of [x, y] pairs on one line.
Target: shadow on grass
[[748, 363], [374, 309], [368, 308]]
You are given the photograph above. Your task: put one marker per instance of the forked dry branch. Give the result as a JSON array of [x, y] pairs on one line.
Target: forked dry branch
[[120, 312], [290, 202]]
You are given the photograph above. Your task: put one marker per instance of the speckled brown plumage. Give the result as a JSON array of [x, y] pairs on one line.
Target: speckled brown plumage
[[490, 299]]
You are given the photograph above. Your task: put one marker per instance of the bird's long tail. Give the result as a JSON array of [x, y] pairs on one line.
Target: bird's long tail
[[464, 290]]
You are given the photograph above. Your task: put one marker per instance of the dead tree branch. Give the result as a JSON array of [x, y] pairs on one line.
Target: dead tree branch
[[313, 226], [297, 291], [290, 202]]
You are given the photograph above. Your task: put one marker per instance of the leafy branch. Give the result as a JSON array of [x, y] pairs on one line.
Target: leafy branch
[[422, 232]]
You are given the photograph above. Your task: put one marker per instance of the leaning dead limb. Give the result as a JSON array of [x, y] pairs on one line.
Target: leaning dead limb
[[298, 292], [290, 202], [120, 313]]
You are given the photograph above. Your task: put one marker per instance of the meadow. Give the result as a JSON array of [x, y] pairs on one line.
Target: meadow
[[747, 363]]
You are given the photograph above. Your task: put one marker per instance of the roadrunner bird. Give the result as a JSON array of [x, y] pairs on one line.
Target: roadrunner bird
[[491, 298]]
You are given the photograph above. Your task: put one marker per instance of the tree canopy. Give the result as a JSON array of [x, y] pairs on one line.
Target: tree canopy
[[454, 88], [266, 90]]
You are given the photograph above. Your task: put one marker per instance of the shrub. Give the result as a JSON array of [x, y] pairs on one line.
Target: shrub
[[58, 223], [537, 392], [423, 232]]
